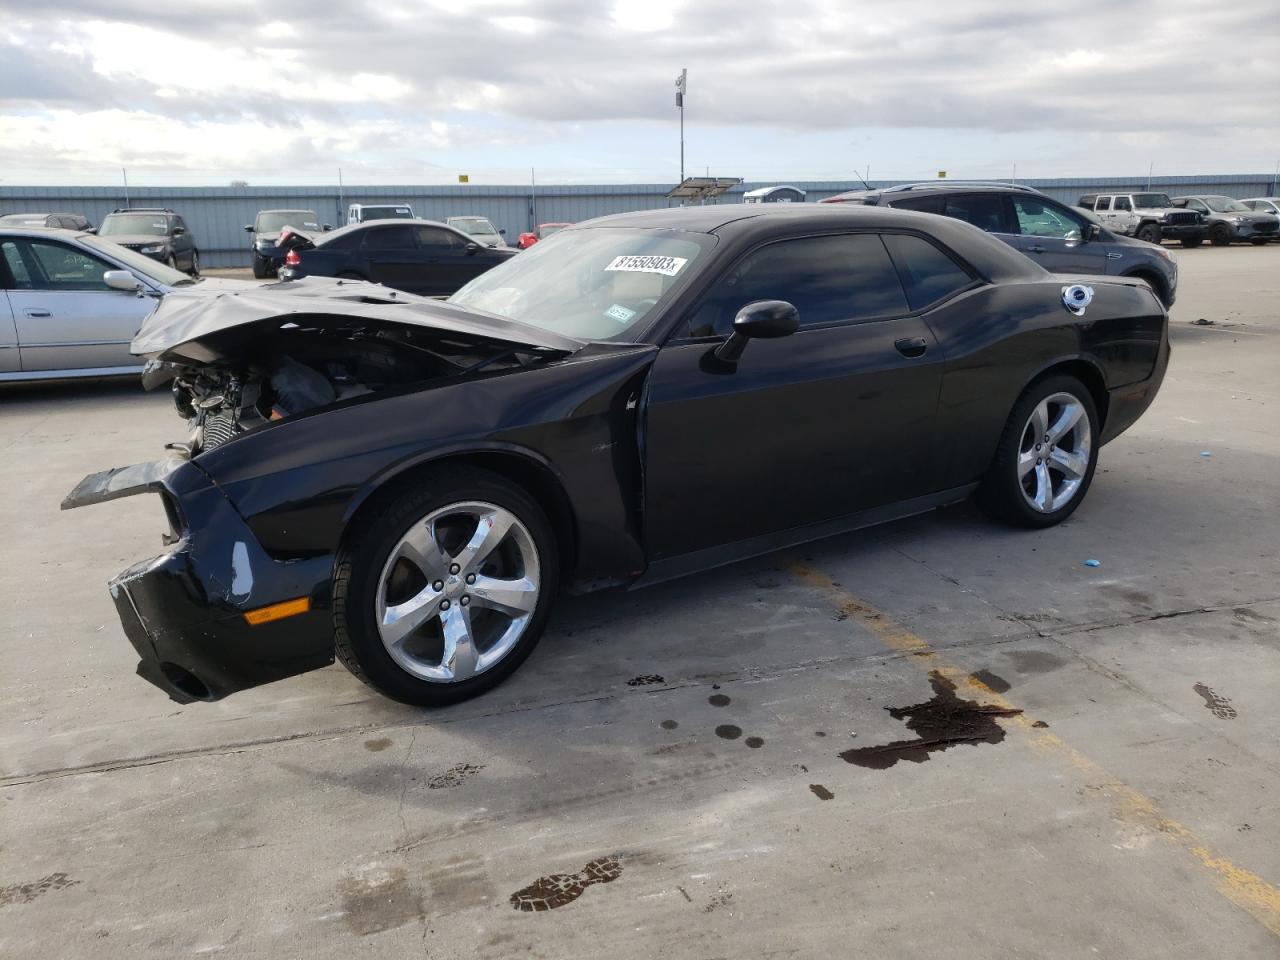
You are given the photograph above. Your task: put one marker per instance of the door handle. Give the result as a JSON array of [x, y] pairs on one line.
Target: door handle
[[912, 346], [37, 312], [1036, 249]]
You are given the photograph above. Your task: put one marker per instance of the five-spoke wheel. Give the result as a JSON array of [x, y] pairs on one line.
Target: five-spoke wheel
[[445, 590]]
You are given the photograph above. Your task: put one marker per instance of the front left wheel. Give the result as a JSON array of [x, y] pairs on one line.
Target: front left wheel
[[445, 591], [1046, 456]]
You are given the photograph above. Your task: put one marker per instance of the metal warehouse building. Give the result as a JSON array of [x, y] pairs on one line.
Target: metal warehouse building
[[217, 215]]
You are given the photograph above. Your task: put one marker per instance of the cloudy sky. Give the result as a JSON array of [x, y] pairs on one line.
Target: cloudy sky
[[418, 91]]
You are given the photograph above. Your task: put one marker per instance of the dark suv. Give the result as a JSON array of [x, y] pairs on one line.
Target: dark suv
[[156, 232], [1059, 238]]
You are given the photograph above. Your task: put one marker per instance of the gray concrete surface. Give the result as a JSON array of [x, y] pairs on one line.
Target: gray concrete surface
[[313, 819]]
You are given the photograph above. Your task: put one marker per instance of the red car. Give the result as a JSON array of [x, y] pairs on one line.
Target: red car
[[530, 237]]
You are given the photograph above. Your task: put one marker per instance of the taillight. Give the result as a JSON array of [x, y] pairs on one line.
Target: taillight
[[292, 258]]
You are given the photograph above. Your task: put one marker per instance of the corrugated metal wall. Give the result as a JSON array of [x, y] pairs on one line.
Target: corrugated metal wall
[[217, 215]]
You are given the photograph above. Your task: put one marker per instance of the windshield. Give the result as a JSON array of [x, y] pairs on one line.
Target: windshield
[[595, 284], [547, 229], [1225, 205], [134, 224], [23, 219], [1151, 201], [273, 221], [386, 213], [476, 226], [138, 263]]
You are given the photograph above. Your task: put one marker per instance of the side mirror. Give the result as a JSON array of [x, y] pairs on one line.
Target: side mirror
[[502, 231], [1091, 232], [327, 226], [763, 319], [121, 280], [248, 228], [472, 248], [179, 231], [93, 230]]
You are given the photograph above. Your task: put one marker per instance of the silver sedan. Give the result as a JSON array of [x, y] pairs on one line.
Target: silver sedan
[[70, 303]]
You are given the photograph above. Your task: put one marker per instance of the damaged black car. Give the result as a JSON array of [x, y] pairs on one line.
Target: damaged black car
[[407, 484]]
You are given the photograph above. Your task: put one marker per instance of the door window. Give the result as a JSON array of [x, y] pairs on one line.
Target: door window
[[1039, 219], [922, 204], [1197, 205], [986, 211], [1122, 203], [390, 238], [52, 266], [1104, 203], [439, 240], [928, 274], [828, 280], [17, 268]]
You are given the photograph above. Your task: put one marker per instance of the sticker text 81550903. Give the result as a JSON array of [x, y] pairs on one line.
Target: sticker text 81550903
[[667, 266]]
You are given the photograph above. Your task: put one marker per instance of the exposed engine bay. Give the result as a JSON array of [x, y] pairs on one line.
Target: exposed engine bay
[[296, 367]]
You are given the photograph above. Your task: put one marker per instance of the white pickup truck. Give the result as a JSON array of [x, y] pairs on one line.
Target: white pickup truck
[[1147, 216]]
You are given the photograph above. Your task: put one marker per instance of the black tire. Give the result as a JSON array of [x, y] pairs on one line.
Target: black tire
[[1001, 494], [360, 561], [1192, 241], [171, 262], [1220, 235], [195, 263], [1259, 241], [1149, 232], [261, 268]]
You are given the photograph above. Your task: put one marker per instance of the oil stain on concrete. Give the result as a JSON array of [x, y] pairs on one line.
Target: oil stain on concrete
[[377, 899], [377, 746], [821, 792], [1221, 706], [26, 892], [560, 889], [992, 681], [940, 723]]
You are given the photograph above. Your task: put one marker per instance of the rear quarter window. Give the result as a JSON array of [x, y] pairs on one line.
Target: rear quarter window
[[928, 274]]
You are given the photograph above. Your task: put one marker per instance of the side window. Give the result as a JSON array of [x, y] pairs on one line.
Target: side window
[[390, 238], [985, 211], [1123, 203], [1039, 219], [928, 274], [828, 279], [17, 268], [1197, 205], [63, 268], [438, 239], [1104, 203], [922, 204]]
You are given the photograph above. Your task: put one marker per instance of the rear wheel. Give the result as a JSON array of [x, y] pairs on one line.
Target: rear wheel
[[1220, 235], [1192, 241], [1150, 232], [195, 263], [1045, 460], [446, 590]]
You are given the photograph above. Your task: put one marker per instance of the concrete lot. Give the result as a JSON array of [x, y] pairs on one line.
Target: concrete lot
[[678, 770]]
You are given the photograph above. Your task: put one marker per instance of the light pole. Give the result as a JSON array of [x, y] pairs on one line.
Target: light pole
[[682, 84]]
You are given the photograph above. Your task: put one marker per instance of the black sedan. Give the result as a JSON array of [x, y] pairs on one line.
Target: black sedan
[[407, 484], [419, 256]]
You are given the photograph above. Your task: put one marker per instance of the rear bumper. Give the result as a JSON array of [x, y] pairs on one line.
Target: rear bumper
[[1126, 404], [183, 611]]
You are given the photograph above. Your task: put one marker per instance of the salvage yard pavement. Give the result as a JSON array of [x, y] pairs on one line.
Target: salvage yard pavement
[[936, 736]]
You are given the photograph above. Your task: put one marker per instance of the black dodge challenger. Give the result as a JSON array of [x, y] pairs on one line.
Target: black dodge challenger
[[407, 483]]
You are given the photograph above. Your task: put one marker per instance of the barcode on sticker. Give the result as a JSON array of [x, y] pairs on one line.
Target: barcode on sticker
[[667, 266]]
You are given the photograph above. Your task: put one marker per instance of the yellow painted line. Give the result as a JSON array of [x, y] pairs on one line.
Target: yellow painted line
[[1246, 890]]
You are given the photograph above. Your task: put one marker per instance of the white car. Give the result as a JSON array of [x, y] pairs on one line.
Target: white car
[[70, 303], [480, 229]]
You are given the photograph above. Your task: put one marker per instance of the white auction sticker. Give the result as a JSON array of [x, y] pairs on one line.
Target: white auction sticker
[[619, 313], [667, 266]]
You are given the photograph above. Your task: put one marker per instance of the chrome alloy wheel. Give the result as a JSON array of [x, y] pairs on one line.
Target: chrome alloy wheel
[[457, 591], [1054, 452]]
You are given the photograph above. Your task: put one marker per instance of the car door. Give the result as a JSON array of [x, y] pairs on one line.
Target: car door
[[1123, 217], [393, 257], [1054, 237], [1105, 214], [834, 419], [452, 258], [66, 317], [9, 360]]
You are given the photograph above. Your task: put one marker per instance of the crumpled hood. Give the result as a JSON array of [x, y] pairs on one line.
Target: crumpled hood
[[183, 316]]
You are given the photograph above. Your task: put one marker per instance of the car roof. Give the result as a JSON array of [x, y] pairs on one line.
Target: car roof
[[930, 189], [373, 224], [44, 232], [289, 210], [751, 222]]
